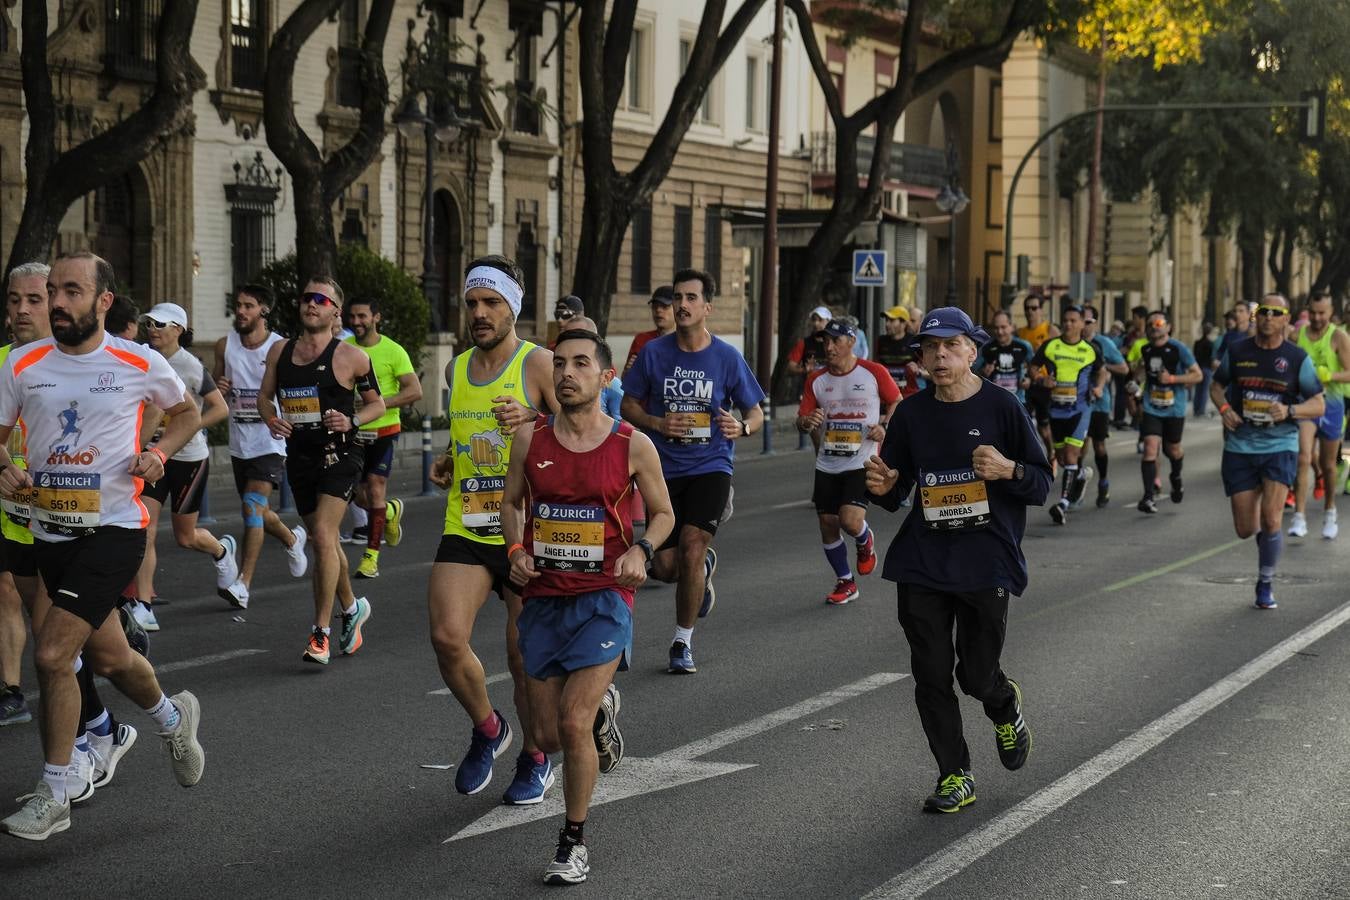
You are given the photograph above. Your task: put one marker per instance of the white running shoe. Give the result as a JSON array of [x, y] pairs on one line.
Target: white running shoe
[[236, 594], [108, 751], [1330, 528], [144, 616], [189, 760], [295, 556], [80, 776], [39, 817], [227, 567], [1299, 526]]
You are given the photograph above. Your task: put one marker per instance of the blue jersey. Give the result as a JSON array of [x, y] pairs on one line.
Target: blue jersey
[[1110, 352], [1166, 401], [611, 397], [666, 379], [1255, 377]]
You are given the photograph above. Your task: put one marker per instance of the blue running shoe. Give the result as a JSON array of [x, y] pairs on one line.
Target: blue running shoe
[[681, 659], [1265, 596], [476, 770], [531, 782], [709, 595]]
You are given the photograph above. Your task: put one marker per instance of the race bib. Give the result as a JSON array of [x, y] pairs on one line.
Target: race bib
[[569, 538], [20, 509], [1006, 380], [700, 421], [842, 439], [953, 500], [300, 405], [1256, 407], [244, 406], [66, 502], [1064, 393], [1161, 397], [366, 437], [481, 504]]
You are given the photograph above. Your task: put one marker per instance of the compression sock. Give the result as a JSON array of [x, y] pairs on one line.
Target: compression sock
[[1102, 460], [861, 537], [91, 705], [377, 520], [837, 555], [1148, 469], [1078, 485], [1066, 481], [1176, 465], [1268, 547]]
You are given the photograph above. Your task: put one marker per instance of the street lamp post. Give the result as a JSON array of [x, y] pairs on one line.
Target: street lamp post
[[952, 201], [427, 72]]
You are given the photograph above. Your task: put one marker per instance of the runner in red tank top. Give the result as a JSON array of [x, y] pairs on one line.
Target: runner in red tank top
[[569, 535]]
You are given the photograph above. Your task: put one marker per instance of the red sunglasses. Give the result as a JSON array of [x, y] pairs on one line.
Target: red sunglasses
[[317, 299]]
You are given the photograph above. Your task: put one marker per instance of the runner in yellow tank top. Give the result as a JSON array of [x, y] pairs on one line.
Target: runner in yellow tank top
[[1036, 332], [498, 385], [1329, 349]]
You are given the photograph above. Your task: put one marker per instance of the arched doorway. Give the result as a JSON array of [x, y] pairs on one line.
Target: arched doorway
[[448, 241], [121, 233]]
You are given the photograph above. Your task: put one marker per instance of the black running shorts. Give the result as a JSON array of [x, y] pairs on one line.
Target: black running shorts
[[1099, 428], [1169, 428], [835, 490], [698, 500], [183, 483], [269, 467], [309, 477], [459, 550], [85, 575]]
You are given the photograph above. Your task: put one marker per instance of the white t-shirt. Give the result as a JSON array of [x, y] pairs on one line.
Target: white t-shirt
[[852, 402], [83, 416], [244, 367], [199, 383]]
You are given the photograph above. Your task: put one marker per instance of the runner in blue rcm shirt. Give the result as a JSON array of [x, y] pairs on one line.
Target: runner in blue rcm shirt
[[979, 463]]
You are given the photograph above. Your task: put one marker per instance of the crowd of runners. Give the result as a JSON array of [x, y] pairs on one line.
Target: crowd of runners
[[566, 492]]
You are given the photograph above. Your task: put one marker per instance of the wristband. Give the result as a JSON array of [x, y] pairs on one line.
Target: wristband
[[510, 551], [1225, 408], [163, 460], [647, 550]]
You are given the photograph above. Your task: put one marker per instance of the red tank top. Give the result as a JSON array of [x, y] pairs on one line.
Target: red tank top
[[578, 515]]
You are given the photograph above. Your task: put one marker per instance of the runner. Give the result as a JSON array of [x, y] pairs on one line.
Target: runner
[[1004, 359], [316, 377], [88, 519], [853, 399], [496, 386], [978, 462], [1075, 378], [258, 458], [186, 473], [663, 317], [1262, 386], [680, 392], [1168, 369], [571, 546], [1329, 348], [1099, 427], [808, 353], [400, 387], [894, 353], [1036, 332]]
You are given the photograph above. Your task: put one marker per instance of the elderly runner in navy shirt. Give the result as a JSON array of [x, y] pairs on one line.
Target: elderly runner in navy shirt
[[978, 463]]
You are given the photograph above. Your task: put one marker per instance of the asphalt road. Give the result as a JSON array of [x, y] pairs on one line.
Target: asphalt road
[[1186, 745]]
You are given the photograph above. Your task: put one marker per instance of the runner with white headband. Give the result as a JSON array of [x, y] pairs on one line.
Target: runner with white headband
[[498, 385]]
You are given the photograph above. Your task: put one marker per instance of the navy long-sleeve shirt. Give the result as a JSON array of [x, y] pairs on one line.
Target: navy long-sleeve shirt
[[934, 440]]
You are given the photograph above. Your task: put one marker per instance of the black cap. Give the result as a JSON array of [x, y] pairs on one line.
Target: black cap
[[572, 302], [664, 295]]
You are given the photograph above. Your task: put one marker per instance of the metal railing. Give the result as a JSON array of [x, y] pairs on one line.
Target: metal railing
[[130, 28], [910, 163]]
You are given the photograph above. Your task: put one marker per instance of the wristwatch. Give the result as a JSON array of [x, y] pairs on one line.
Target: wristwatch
[[1019, 471], [647, 550], [356, 421], [745, 429]]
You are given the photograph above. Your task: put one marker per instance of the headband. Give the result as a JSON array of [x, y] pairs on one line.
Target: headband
[[495, 280]]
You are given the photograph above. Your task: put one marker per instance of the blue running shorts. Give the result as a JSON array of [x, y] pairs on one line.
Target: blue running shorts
[[559, 635], [1245, 471]]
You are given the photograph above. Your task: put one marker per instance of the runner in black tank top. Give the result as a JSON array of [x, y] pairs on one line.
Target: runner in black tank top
[[306, 392]]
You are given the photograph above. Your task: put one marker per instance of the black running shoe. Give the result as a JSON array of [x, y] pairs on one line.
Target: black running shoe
[[1177, 490], [1057, 514], [1148, 505], [1103, 493], [953, 792], [1014, 738]]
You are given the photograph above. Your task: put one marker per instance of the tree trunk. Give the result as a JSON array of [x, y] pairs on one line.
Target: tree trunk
[[55, 181], [1251, 244], [598, 249]]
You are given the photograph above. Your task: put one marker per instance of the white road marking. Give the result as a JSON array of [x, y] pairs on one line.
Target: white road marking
[[675, 767], [490, 680], [193, 663], [955, 857]]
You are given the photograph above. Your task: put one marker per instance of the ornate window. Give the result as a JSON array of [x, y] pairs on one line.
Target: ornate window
[[248, 44], [130, 28], [252, 198]]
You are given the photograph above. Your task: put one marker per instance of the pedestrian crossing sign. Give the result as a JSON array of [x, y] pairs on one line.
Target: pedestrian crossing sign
[[869, 268]]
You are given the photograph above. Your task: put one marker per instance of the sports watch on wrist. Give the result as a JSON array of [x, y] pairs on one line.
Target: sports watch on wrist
[[1019, 471], [647, 550], [745, 429]]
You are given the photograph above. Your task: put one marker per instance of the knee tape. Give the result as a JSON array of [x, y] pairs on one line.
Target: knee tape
[[254, 504]]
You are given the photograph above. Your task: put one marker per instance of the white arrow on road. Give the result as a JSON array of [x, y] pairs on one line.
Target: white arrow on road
[[675, 767]]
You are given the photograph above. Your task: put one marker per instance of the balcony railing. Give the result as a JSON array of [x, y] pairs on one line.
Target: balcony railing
[[130, 27], [909, 163]]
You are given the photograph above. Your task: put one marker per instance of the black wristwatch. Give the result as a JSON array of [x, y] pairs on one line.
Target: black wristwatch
[[1019, 471], [745, 429], [647, 550]]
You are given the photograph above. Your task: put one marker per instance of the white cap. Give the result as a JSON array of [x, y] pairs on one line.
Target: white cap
[[168, 312], [822, 312]]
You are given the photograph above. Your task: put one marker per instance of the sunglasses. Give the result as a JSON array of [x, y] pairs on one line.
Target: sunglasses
[[1273, 311], [156, 324], [564, 314], [317, 299], [1089, 321]]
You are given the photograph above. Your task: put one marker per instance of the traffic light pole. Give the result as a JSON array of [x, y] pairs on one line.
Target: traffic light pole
[[1313, 102]]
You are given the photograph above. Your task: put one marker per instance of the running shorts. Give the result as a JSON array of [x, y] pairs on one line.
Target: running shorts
[[183, 484], [835, 490], [1071, 430], [698, 500], [559, 635], [309, 477], [269, 468], [85, 575], [459, 550], [1246, 471], [1169, 428]]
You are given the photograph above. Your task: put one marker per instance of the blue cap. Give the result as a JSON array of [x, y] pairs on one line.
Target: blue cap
[[948, 321], [839, 328]]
